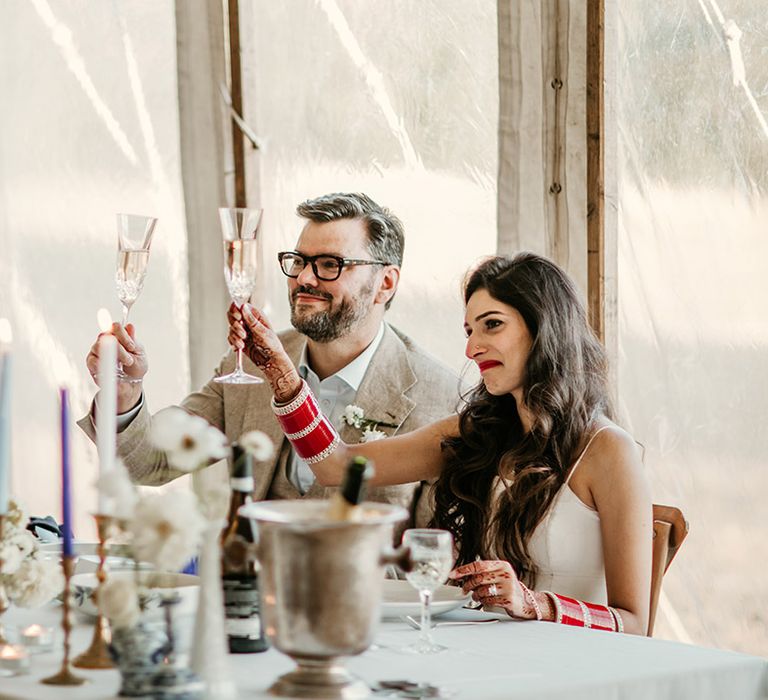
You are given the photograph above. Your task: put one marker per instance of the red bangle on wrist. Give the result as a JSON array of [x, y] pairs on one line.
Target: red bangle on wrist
[[577, 613], [309, 431]]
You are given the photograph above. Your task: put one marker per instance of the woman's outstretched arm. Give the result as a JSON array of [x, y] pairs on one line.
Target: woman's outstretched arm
[[416, 456]]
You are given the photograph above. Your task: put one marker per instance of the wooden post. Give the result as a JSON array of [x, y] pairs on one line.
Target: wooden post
[[236, 93], [542, 200], [595, 166]]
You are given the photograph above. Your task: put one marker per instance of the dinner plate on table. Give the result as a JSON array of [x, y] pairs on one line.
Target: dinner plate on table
[[400, 598], [83, 548]]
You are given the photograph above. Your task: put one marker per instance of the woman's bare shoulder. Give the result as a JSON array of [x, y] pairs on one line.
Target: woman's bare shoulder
[[613, 451]]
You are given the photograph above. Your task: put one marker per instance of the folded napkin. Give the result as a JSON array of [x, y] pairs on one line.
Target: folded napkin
[[45, 529]]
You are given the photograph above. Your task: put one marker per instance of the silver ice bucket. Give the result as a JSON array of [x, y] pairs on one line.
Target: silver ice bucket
[[321, 586]]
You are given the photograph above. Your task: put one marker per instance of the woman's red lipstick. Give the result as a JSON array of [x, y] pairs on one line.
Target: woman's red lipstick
[[487, 364]]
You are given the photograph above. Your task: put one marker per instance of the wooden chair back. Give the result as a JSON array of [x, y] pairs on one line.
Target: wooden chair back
[[669, 530]]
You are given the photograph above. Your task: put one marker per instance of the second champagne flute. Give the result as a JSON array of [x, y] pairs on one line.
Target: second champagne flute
[[239, 227]]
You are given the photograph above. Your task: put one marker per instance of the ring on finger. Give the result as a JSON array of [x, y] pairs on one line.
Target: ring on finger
[[492, 590]]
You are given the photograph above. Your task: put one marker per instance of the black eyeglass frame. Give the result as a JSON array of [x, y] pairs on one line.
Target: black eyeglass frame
[[312, 260]]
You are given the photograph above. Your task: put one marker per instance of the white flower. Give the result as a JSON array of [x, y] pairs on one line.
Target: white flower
[[353, 415], [116, 485], [258, 445], [16, 546], [119, 601], [370, 434], [36, 582], [15, 517], [166, 529], [188, 441]]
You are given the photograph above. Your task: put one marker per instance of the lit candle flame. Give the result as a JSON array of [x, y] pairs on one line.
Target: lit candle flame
[[6, 335], [33, 631], [10, 652], [105, 320]]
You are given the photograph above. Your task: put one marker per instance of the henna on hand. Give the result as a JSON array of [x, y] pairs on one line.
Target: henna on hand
[[251, 330]]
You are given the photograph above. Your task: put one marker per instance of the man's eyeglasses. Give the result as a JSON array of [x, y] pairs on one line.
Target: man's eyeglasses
[[326, 267]]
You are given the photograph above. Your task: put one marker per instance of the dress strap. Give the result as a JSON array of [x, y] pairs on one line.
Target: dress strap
[[584, 451]]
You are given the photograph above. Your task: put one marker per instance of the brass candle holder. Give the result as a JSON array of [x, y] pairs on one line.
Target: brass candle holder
[[65, 675], [4, 602], [97, 655]]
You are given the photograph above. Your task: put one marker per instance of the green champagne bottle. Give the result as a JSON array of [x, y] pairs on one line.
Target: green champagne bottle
[[239, 568]]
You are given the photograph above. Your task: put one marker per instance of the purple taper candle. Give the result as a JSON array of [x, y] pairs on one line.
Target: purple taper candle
[[66, 500]]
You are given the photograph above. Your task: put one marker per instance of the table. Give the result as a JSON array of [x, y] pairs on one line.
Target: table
[[511, 659]]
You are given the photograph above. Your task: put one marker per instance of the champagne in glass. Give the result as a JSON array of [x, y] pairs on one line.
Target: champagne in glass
[[239, 228], [432, 557], [134, 236]]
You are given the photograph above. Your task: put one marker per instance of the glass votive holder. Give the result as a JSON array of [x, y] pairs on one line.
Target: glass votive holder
[[14, 660], [37, 639]]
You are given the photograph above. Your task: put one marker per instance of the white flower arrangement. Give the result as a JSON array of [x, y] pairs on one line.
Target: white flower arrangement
[[166, 530], [355, 416], [29, 579]]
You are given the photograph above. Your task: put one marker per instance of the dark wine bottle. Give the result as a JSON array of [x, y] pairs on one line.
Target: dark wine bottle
[[344, 503], [239, 568]]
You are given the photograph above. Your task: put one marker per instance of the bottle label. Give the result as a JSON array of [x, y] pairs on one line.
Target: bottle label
[[241, 606], [244, 483], [249, 628]]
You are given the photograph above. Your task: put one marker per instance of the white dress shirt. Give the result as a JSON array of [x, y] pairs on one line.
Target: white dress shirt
[[334, 394]]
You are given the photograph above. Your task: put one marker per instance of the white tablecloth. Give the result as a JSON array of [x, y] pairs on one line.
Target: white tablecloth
[[532, 660]]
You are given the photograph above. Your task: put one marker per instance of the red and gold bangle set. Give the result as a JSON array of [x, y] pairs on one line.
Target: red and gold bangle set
[[577, 613], [310, 432]]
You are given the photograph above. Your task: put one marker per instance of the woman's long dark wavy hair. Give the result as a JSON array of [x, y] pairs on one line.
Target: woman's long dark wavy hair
[[565, 389]]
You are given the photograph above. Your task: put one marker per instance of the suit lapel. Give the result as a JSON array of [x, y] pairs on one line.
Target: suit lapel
[[381, 394]]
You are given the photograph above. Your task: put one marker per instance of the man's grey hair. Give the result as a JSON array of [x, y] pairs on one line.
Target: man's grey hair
[[386, 238]]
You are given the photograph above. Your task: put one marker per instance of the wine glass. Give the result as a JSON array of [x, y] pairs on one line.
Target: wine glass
[[239, 228], [134, 236], [432, 557]]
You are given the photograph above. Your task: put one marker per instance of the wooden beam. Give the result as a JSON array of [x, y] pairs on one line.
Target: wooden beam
[[236, 93], [201, 70], [596, 166], [542, 201]]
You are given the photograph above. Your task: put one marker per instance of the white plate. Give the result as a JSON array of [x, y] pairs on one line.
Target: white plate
[[400, 598], [80, 548], [157, 585]]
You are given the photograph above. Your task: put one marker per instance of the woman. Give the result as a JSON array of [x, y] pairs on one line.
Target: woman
[[544, 494]]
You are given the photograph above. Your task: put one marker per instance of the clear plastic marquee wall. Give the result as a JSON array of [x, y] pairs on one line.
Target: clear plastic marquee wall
[[693, 298], [400, 99]]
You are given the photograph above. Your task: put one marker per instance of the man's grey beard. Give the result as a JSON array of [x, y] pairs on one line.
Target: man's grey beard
[[325, 326]]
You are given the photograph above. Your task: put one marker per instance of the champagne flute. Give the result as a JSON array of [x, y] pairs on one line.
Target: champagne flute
[[432, 557], [134, 236], [239, 228]]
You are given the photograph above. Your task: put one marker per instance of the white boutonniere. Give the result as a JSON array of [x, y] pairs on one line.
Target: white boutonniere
[[355, 416]]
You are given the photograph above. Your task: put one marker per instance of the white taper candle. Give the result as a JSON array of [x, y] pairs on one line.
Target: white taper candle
[[106, 408], [5, 413]]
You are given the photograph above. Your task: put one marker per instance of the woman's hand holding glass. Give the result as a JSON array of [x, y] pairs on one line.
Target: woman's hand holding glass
[[494, 584]]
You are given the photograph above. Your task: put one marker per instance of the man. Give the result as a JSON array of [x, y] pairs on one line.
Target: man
[[342, 277]]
